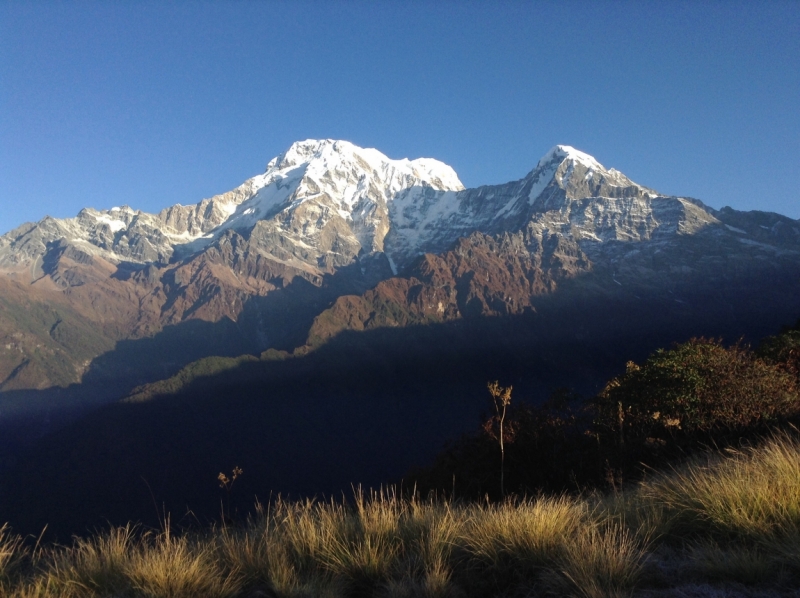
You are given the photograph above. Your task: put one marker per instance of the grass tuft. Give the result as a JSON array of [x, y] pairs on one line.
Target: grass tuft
[[95, 565], [508, 545], [750, 495], [12, 553], [601, 561], [165, 566]]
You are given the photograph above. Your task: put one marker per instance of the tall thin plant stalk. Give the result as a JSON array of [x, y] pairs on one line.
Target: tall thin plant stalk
[[226, 483], [501, 397]]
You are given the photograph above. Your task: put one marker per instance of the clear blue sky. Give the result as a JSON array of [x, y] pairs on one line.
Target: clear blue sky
[[155, 103]]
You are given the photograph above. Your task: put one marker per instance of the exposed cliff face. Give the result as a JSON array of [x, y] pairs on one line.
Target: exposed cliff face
[[482, 276], [708, 273], [585, 225], [325, 204], [333, 237], [321, 204]]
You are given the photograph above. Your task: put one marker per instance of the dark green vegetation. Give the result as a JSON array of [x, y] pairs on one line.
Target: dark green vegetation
[[680, 401]]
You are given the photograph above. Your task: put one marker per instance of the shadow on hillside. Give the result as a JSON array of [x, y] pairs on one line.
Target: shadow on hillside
[[26, 415], [364, 408], [282, 318], [279, 320], [134, 362]]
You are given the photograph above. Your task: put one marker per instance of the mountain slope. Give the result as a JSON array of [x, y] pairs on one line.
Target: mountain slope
[[317, 208], [352, 302], [293, 256]]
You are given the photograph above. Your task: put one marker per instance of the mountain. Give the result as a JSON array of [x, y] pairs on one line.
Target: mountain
[[307, 323], [124, 274], [316, 207], [326, 222]]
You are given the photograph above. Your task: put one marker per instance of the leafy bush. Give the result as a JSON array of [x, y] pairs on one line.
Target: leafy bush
[[699, 390], [783, 349], [681, 400]]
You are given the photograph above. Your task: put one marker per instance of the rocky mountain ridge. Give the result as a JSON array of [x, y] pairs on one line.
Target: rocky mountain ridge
[[325, 196], [333, 237], [322, 204]]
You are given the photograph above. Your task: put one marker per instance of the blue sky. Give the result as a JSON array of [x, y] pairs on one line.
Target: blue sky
[[155, 103]]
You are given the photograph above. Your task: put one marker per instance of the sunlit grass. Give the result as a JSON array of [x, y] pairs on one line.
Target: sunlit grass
[[601, 560], [508, 545], [722, 519], [750, 495], [94, 565], [11, 554]]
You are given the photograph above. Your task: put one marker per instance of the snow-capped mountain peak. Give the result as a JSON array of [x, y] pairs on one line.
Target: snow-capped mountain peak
[[317, 206], [328, 201], [326, 155], [560, 153], [324, 204]]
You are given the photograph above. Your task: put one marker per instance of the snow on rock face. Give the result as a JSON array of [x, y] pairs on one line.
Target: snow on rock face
[[324, 204], [568, 193], [330, 155], [573, 195], [327, 200], [330, 199], [559, 153]]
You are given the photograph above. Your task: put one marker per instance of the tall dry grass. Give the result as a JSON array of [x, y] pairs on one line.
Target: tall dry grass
[[508, 545], [751, 495], [733, 517], [126, 561], [94, 565], [603, 559], [12, 554]]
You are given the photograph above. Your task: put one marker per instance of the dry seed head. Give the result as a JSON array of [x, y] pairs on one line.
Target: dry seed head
[[500, 395]]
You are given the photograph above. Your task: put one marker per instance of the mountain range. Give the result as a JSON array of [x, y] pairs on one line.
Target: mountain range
[[354, 231], [343, 278]]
